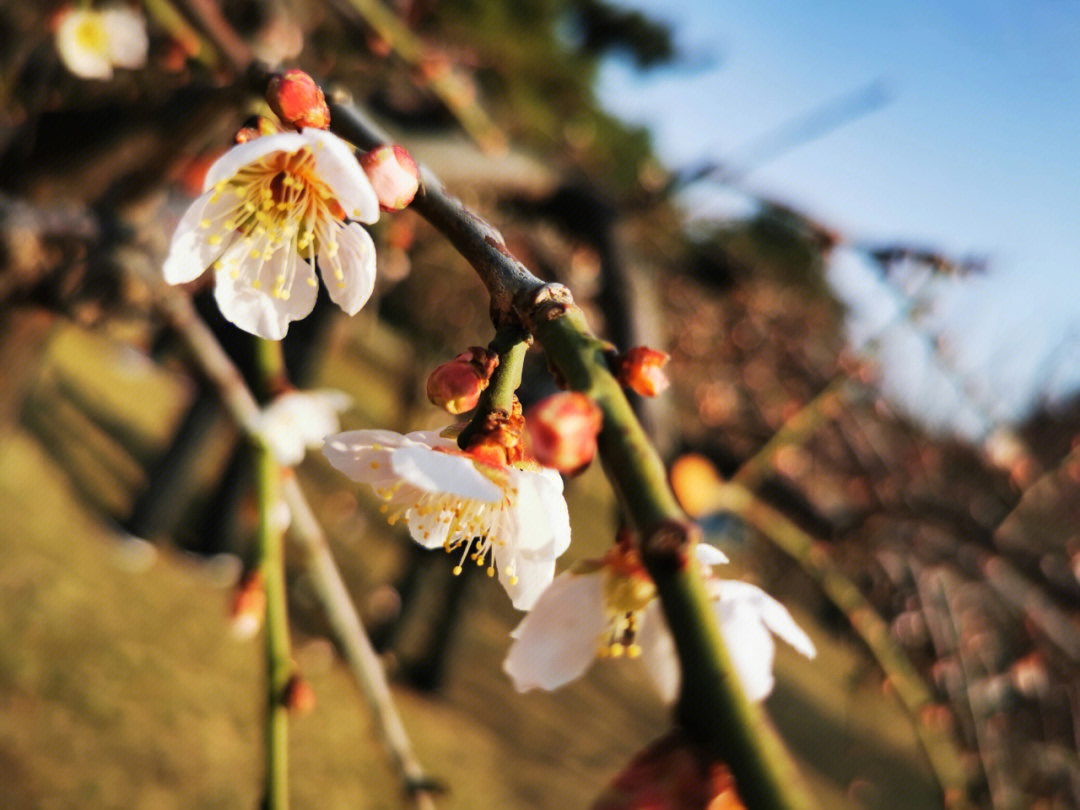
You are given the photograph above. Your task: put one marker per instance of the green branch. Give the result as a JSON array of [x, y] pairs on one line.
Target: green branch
[[712, 705], [271, 563], [510, 344]]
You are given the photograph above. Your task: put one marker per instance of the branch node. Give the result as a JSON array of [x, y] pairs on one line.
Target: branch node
[[667, 544], [543, 304]]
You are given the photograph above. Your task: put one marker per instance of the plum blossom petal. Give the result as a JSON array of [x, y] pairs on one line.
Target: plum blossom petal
[[190, 252], [556, 642], [128, 42], [442, 472], [272, 205], [250, 152], [245, 302], [629, 619], [298, 420], [348, 270], [91, 43], [335, 161], [83, 44], [514, 521]]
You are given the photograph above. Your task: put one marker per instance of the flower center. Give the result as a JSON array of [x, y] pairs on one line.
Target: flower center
[[91, 34], [626, 595], [470, 526], [276, 203]]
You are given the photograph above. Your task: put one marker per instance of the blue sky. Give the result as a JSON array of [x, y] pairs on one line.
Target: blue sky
[[978, 151]]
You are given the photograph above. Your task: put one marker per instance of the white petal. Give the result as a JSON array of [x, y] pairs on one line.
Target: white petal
[[287, 445], [658, 653], [257, 310], [318, 413], [354, 261], [428, 530], [774, 615], [354, 452], [190, 251], [529, 578], [431, 471], [336, 165], [242, 154], [709, 556], [301, 419], [748, 644], [431, 438], [557, 641], [127, 37], [85, 62], [539, 520]]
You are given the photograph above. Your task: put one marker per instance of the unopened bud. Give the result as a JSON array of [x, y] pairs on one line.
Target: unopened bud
[[298, 101], [456, 386], [641, 369], [484, 360], [671, 774], [562, 431], [248, 606], [298, 696], [393, 175]]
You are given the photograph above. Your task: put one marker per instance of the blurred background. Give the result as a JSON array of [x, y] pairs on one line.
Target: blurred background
[[853, 229]]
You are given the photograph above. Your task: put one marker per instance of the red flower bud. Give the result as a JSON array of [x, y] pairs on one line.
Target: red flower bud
[[641, 370], [298, 696], [456, 386], [562, 431], [298, 101], [671, 774], [484, 360], [393, 175]]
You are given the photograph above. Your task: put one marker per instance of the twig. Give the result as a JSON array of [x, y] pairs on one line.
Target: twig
[[221, 33], [355, 645], [712, 705], [271, 564], [448, 86], [305, 530], [193, 43]]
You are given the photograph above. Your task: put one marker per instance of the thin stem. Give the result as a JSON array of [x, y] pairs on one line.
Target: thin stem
[[510, 344], [355, 645], [271, 563], [194, 44], [305, 530], [446, 83]]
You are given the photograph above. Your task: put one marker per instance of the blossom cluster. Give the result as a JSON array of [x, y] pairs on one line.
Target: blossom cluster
[[285, 206]]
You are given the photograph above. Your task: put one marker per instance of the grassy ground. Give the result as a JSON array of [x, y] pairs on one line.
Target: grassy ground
[[121, 687]]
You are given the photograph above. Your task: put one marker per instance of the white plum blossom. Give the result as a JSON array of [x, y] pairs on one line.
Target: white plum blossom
[[297, 420], [91, 43], [271, 208], [509, 519], [608, 607]]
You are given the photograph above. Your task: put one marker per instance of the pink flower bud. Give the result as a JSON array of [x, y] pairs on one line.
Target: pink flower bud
[[298, 697], [456, 386], [671, 774], [641, 370], [298, 101], [393, 175], [562, 431]]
